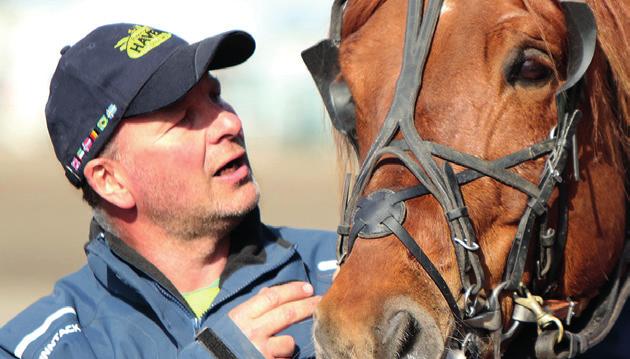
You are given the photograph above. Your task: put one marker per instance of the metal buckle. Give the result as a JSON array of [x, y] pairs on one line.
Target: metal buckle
[[543, 318], [491, 318], [553, 171], [570, 311], [466, 246], [470, 307]]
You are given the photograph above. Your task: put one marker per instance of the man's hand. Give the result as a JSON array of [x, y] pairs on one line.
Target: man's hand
[[272, 310]]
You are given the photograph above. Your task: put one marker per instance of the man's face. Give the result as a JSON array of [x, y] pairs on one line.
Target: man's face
[[187, 166]]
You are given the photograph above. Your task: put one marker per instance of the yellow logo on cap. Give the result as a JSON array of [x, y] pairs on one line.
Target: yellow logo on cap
[[141, 40]]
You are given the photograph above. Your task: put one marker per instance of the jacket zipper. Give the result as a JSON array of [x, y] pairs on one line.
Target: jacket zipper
[[196, 323], [273, 268]]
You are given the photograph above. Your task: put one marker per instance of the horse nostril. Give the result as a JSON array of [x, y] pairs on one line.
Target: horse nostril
[[399, 335]]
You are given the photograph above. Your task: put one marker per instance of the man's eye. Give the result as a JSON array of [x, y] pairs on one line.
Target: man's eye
[[184, 121]]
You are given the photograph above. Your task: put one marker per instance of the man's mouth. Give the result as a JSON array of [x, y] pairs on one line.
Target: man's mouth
[[230, 167], [235, 170]]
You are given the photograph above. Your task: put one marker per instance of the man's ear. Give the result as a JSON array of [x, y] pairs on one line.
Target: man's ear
[[109, 180]]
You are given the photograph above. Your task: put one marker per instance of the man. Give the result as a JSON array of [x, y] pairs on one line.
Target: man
[[179, 264]]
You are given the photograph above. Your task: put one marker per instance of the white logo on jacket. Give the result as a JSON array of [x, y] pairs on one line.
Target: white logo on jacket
[[68, 329]]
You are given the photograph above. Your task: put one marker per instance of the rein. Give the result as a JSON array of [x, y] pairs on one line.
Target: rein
[[382, 213]]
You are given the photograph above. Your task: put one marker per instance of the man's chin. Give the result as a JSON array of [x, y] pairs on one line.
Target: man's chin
[[241, 204], [246, 198], [205, 219]]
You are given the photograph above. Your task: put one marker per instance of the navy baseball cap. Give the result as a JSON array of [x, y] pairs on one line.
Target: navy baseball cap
[[122, 70]]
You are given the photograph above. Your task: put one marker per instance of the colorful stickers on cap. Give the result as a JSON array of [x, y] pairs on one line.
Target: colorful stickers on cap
[[102, 122], [88, 142]]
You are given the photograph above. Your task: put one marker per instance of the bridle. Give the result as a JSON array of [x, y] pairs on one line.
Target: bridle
[[382, 213]]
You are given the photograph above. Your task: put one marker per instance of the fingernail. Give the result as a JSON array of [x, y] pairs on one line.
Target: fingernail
[[308, 289]]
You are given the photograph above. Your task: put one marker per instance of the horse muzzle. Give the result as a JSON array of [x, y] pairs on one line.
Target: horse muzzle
[[404, 330]]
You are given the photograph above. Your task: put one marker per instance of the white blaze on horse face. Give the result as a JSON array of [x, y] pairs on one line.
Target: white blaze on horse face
[[447, 6]]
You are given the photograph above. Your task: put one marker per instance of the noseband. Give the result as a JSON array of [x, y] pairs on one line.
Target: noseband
[[382, 213]]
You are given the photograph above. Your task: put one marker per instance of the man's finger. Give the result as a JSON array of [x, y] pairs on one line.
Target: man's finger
[[270, 298], [282, 346], [285, 315]]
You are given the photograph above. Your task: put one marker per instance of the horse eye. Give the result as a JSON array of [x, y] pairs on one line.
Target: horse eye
[[528, 70], [533, 71]]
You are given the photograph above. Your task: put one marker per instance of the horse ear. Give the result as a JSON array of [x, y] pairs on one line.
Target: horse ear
[[322, 61]]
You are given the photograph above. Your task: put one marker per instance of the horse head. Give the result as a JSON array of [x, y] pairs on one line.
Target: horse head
[[492, 185]]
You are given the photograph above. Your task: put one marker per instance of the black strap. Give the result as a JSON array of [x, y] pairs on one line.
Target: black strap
[[417, 252], [469, 175], [214, 345], [536, 206]]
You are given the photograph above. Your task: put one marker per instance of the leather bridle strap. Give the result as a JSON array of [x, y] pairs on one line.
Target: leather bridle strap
[[424, 261], [417, 43], [469, 175], [418, 37], [537, 206], [478, 168]]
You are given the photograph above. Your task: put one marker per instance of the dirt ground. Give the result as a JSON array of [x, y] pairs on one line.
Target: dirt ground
[[44, 224]]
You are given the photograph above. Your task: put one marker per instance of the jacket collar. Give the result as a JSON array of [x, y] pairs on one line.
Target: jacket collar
[[255, 249]]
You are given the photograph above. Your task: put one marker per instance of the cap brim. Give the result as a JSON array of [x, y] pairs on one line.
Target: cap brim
[[232, 48], [187, 65]]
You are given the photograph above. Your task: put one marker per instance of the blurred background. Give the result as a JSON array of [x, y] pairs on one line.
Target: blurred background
[[43, 222]]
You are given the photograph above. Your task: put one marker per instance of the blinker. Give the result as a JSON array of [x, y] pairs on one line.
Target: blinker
[[582, 39], [322, 61]]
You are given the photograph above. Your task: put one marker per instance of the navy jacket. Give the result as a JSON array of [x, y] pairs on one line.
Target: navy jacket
[[120, 306]]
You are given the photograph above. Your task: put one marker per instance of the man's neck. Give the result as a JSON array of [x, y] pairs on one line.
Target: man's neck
[[188, 263]]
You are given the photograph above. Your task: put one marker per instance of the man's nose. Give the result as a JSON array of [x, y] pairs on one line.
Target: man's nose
[[227, 125]]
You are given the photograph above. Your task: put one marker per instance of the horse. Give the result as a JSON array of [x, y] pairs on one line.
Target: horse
[[489, 214]]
